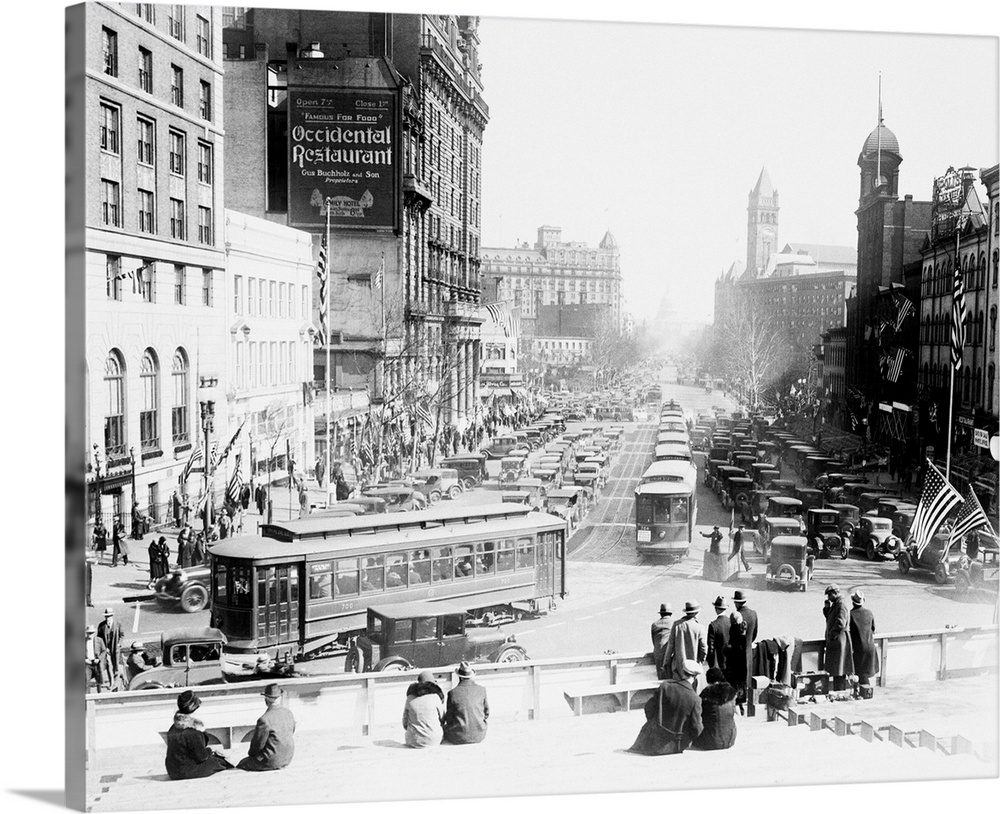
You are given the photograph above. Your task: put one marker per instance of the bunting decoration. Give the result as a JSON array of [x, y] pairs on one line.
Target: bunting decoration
[[322, 273], [958, 315], [895, 366]]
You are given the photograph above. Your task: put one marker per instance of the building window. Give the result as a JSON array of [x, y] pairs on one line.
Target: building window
[[147, 281], [271, 361], [114, 419], [179, 412], [261, 290], [204, 37], [144, 141], [177, 152], [238, 294], [291, 361], [252, 364], [146, 70], [305, 302], [145, 211], [177, 86], [271, 297], [993, 328], [149, 375], [110, 203], [113, 275], [175, 22], [177, 223], [239, 365], [282, 363], [206, 287], [205, 100], [262, 364], [205, 225], [204, 163], [281, 299], [109, 46], [110, 128], [146, 11], [180, 278], [251, 296]]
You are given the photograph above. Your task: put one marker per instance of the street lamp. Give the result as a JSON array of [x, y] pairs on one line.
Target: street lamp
[[98, 511], [207, 421], [131, 457]]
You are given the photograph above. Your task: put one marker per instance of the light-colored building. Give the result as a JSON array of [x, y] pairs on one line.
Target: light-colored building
[[269, 313], [155, 266]]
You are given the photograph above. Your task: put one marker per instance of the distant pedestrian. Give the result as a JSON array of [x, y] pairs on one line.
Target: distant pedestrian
[[673, 715], [110, 632], [175, 509], [467, 709], [119, 543], [659, 631], [188, 755], [97, 662], [100, 538], [423, 712], [88, 585], [862, 627], [185, 547], [273, 745], [738, 547], [838, 658], [320, 472], [718, 636], [225, 524], [343, 490], [686, 643], [138, 661], [159, 556]]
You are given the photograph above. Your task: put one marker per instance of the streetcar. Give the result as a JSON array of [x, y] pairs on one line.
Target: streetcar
[[665, 516], [672, 471], [304, 588]]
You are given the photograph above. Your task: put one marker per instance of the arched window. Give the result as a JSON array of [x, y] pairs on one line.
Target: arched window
[[980, 320], [982, 270], [977, 385], [996, 265], [991, 373], [179, 421], [114, 419], [993, 328], [149, 424]]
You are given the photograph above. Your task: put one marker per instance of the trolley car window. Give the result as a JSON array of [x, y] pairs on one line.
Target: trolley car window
[[425, 628], [442, 564], [373, 577], [525, 553], [505, 555], [220, 584], [463, 562], [420, 566], [485, 558], [346, 573], [321, 581], [679, 510], [395, 571]]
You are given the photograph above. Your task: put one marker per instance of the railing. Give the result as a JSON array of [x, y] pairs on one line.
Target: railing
[[518, 691]]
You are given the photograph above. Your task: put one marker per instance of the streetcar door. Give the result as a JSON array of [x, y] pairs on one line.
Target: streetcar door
[[277, 604], [543, 565]]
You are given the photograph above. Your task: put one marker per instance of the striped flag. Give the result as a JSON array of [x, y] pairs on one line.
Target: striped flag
[[903, 309], [213, 457], [228, 449], [194, 460], [937, 498], [896, 365], [957, 316], [323, 273], [424, 415], [235, 482], [500, 313], [380, 274], [971, 516]]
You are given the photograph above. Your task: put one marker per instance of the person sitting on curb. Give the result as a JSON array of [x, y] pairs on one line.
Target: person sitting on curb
[[188, 755], [467, 711], [272, 746], [423, 712], [718, 713]]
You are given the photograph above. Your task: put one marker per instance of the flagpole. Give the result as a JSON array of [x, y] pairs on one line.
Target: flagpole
[[326, 341], [951, 385]]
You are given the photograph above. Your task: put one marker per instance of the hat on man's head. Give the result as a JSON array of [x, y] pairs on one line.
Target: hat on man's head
[[465, 670], [858, 597], [136, 646], [720, 603], [426, 677], [90, 629], [690, 667], [739, 597], [715, 528], [272, 691], [188, 702], [108, 612], [715, 675], [666, 609], [691, 608], [831, 590]]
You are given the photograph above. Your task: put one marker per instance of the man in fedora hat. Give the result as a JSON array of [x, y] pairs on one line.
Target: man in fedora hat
[[863, 644], [97, 662], [718, 635], [188, 754], [467, 710], [686, 642], [673, 715], [138, 661], [738, 547], [272, 745], [110, 632], [838, 657], [660, 633], [742, 635], [714, 540]]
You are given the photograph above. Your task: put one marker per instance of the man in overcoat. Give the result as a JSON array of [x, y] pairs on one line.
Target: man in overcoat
[[686, 642], [673, 715], [273, 745], [659, 631], [97, 662], [467, 709], [838, 658], [718, 635], [110, 632], [865, 652], [741, 638]]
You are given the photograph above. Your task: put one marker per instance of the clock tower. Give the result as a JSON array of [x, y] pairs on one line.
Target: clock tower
[[879, 161], [762, 225]]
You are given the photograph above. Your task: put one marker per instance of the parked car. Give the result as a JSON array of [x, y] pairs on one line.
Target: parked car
[[931, 558], [849, 515], [435, 484], [189, 657], [186, 588], [471, 469], [511, 468], [773, 527], [874, 536], [565, 503], [811, 498], [501, 446], [823, 533], [788, 563], [979, 568], [397, 498]]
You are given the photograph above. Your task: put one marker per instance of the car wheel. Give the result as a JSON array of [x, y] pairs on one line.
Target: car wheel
[[434, 497], [785, 572], [150, 686], [355, 661], [904, 563], [194, 598], [870, 551], [941, 573], [469, 484], [845, 548], [393, 664], [511, 654], [454, 492]]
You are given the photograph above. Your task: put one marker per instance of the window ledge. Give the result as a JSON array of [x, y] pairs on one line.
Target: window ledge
[[153, 453], [179, 448]]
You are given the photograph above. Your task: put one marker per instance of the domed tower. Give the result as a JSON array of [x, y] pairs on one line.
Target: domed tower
[[762, 224], [879, 162]]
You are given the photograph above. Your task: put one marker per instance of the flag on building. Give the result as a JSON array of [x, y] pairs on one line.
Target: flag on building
[[957, 316], [971, 516], [424, 415], [322, 271], [903, 308], [229, 446], [196, 458], [213, 457], [380, 274], [235, 482], [896, 364], [500, 314], [937, 498]]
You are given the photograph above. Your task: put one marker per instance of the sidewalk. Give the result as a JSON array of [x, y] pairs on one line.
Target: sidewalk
[[570, 755]]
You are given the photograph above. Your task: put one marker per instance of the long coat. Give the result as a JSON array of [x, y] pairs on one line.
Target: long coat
[[837, 655], [863, 642], [718, 716], [111, 634], [466, 713], [659, 632], [188, 754], [673, 720], [687, 641], [422, 715], [718, 641], [272, 745]]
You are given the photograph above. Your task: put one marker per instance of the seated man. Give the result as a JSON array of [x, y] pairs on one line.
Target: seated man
[[138, 661], [272, 746]]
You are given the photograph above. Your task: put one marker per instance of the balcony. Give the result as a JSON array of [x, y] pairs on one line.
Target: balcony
[[415, 193]]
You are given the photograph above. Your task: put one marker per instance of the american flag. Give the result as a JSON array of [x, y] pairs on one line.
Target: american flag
[[957, 316], [970, 516], [322, 273], [903, 309], [501, 315], [424, 415], [194, 460], [937, 498], [896, 365], [228, 449], [235, 482], [854, 420], [377, 281]]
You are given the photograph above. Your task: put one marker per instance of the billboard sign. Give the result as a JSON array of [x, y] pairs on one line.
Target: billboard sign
[[342, 152]]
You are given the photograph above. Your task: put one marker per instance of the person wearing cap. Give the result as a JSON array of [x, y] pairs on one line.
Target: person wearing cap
[[97, 662], [188, 755], [862, 627], [686, 642], [423, 712], [838, 658], [273, 744], [718, 713], [673, 715], [738, 547], [138, 661], [660, 633], [467, 710], [715, 540], [110, 632], [718, 635]]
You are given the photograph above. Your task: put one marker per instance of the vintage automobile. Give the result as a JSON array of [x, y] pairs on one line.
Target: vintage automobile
[[362, 504], [471, 469], [979, 567], [788, 563], [535, 487], [397, 498], [758, 502], [186, 588], [603, 464], [189, 656], [814, 466], [511, 469], [811, 498], [786, 486], [902, 520], [712, 471], [435, 484], [501, 446], [833, 483], [590, 473], [413, 635], [823, 533], [773, 527], [932, 558], [737, 495], [888, 506], [874, 537], [763, 473], [523, 498], [565, 503], [722, 476], [849, 516], [550, 476], [869, 500], [552, 459], [783, 506]]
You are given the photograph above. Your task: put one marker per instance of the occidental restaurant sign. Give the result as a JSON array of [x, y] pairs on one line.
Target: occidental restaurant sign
[[342, 153]]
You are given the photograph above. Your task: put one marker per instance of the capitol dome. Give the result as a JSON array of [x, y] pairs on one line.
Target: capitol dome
[[886, 137]]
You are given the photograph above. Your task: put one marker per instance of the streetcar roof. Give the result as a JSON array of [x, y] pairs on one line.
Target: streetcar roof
[[251, 547], [663, 487]]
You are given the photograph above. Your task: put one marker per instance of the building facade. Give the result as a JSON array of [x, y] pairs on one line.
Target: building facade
[[155, 265], [762, 224]]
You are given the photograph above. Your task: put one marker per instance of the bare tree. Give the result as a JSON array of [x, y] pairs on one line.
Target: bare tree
[[755, 353]]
